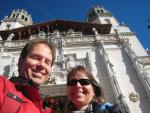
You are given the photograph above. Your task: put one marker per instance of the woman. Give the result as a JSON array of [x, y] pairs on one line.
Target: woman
[[85, 94]]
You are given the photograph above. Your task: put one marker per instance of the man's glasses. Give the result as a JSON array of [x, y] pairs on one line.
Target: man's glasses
[[81, 81]]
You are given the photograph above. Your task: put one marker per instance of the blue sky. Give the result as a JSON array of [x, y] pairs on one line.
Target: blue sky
[[135, 13]]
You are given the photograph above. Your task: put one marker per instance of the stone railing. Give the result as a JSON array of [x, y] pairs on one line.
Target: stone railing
[[145, 60], [15, 44]]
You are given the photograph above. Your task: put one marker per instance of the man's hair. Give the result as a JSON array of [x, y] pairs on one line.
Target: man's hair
[[28, 47]]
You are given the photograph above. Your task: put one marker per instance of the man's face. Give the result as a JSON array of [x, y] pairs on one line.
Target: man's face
[[37, 65]]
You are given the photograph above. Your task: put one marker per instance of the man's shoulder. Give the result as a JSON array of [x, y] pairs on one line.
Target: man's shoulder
[[4, 81], [2, 77], [7, 86], [13, 99]]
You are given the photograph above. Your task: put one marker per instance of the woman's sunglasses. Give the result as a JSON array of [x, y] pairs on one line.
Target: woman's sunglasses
[[81, 81]]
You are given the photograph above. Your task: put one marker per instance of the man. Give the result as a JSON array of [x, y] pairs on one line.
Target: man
[[21, 94]]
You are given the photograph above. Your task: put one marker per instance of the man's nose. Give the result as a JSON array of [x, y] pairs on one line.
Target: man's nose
[[42, 62]]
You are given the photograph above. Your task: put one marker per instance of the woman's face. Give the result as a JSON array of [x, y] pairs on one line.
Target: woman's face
[[80, 95]]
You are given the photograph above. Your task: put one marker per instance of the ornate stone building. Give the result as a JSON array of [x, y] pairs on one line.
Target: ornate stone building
[[110, 50]]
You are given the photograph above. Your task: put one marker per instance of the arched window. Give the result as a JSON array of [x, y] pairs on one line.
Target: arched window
[[98, 10], [101, 11], [26, 19], [22, 17], [13, 16], [17, 15]]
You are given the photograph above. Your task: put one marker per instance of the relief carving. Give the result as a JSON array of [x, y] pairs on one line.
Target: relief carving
[[134, 97], [71, 62]]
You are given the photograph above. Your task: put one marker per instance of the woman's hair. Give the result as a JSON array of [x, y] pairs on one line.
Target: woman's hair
[[99, 94], [28, 47]]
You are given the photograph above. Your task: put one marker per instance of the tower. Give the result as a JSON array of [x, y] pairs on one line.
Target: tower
[[18, 18], [126, 61], [99, 15]]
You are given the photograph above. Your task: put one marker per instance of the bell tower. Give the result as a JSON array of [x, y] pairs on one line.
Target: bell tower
[[18, 18], [99, 15]]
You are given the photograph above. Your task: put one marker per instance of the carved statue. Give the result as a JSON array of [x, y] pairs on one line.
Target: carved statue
[[95, 31], [42, 34], [2, 49], [56, 33], [71, 32], [1, 38], [71, 63], [9, 38], [13, 70], [88, 56]]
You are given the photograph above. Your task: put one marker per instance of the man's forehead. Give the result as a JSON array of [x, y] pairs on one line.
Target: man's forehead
[[40, 47]]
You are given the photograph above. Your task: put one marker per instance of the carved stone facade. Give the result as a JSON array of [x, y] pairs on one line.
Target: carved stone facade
[[116, 59]]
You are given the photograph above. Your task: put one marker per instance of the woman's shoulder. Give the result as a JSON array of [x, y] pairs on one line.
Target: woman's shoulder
[[103, 106], [106, 107]]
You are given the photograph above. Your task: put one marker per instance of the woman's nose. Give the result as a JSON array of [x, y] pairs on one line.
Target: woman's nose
[[78, 84]]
